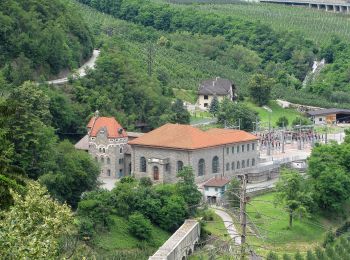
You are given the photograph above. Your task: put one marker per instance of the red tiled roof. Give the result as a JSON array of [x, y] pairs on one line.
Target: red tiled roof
[[188, 137], [111, 125], [217, 182]]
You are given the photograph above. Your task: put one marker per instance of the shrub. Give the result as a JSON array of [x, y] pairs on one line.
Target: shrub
[[145, 182], [86, 228], [139, 226]]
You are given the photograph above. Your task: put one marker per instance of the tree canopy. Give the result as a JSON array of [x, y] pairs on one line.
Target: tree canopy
[[41, 37]]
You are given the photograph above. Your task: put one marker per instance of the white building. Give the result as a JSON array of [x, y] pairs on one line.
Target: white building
[[215, 188], [329, 116], [218, 87]]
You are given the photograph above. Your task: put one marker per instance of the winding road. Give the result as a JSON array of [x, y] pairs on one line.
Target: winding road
[[90, 64]]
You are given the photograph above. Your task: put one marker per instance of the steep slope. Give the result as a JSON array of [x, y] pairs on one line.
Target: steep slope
[[40, 38]]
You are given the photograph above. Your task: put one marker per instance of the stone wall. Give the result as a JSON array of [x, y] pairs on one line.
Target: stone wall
[[166, 161], [109, 153]]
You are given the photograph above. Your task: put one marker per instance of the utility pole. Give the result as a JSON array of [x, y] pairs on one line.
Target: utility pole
[[283, 139], [150, 60], [243, 216], [269, 137], [299, 143]]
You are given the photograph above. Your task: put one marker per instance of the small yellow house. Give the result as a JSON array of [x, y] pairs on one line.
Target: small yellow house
[[218, 87]]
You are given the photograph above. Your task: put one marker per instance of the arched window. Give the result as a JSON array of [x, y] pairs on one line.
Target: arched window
[[233, 166], [109, 172], [155, 173], [121, 150], [143, 167], [248, 163], [201, 167], [238, 165], [104, 150], [108, 160], [102, 160], [253, 162], [215, 164], [179, 166], [243, 164], [100, 150], [227, 166]]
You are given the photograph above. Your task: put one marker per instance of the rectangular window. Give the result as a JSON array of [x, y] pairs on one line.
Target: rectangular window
[[320, 119], [206, 188], [242, 148], [233, 149], [167, 167], [205, 96], [253, 146], [205, 104], [238, 149], [223, 189], [227, 150], [248, 147], [216, 189]]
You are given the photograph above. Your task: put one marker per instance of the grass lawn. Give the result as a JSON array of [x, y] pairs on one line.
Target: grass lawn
[[120, 238], [217, 229], [185, 95], [277, 112], [272, 223]]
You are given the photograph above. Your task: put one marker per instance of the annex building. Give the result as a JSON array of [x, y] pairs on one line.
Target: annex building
[[161, 153]]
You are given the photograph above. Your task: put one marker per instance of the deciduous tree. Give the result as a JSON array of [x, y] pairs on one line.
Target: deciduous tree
[[31, 229]]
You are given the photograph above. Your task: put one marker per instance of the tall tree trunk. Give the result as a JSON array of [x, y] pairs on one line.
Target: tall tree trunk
[[290, 219]]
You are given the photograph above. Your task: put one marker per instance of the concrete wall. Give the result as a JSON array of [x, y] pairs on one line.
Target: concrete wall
[[109, 153], [167, 159]]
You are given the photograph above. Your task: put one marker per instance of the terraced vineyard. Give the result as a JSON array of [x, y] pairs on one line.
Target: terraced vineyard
[[317, 25]]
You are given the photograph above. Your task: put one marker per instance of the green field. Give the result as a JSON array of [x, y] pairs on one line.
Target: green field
[[277, 112], [316, 25], [272, 223], [120, 238]]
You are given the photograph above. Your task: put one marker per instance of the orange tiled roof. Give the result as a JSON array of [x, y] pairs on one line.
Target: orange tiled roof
[[188, 137], [109, 123], [216, 182]]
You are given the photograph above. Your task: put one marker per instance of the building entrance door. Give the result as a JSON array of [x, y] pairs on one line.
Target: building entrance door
[[155, 173]]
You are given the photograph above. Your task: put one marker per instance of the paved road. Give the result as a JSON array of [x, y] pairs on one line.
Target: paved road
[[81, 71], [228, 221]]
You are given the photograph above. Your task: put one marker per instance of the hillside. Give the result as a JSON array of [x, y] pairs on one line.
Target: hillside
[[283, 55], [40, 38]]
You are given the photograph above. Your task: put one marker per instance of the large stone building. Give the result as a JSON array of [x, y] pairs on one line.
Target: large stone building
[[161, 153], [106, 141], [218, 87]]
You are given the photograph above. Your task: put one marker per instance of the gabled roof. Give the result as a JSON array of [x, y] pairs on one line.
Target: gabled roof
[[176, 136], [113, 128], [216, 86], [216, 182], [328, 111], [83, 143]]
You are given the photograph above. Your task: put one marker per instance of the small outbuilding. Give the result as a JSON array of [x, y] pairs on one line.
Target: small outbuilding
[[215, 188], [329, 116]]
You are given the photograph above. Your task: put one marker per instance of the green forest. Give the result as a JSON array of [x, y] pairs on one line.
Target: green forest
[[40, 39]]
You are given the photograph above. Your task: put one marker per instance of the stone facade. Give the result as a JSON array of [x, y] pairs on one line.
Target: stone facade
[[109, 153], [232, 158]]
